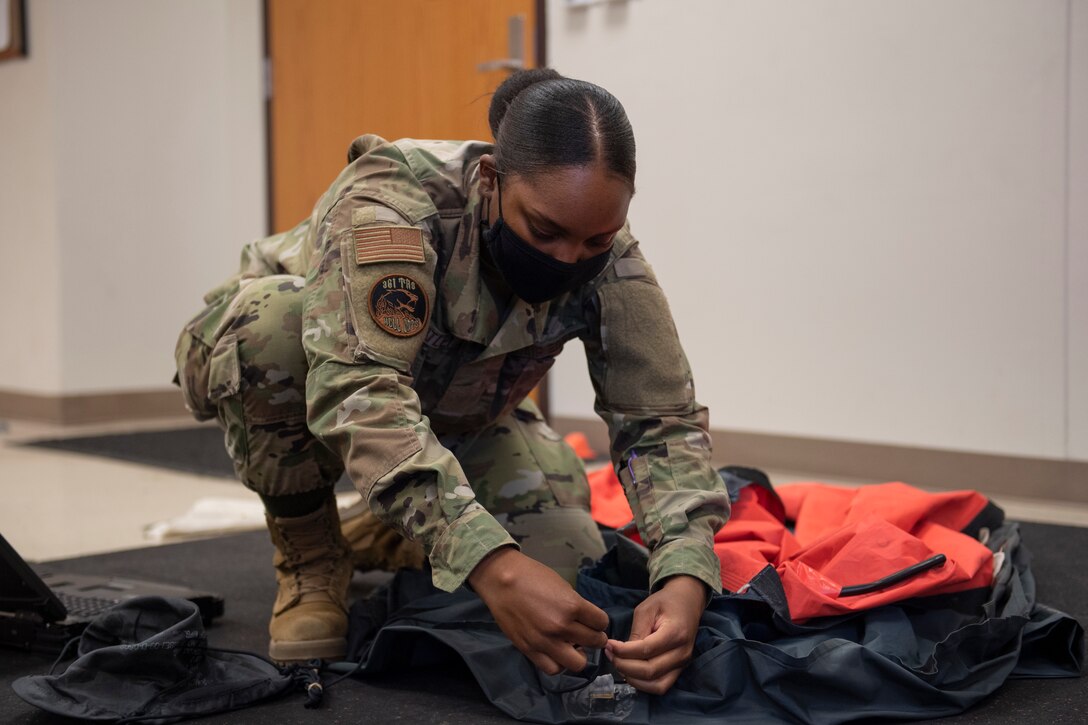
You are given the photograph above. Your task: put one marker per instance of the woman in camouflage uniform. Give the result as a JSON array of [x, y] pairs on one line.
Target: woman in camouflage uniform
[[397, 332]]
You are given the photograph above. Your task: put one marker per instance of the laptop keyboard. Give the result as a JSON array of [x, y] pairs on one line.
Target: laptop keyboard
[[85, 606]]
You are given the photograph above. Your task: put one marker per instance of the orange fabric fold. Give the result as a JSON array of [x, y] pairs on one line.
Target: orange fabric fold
[[842, 537]]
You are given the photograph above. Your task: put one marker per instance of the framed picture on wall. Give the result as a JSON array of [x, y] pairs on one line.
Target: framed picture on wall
[[12, 29]]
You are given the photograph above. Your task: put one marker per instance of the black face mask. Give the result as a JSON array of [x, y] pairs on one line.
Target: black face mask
[[533, 275]]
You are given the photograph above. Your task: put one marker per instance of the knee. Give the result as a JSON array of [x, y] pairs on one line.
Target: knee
[[264, 328], [565, 539], [251, 340], [267, 312]]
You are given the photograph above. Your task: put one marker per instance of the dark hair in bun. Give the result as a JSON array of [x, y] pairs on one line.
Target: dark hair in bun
[[541, 120]]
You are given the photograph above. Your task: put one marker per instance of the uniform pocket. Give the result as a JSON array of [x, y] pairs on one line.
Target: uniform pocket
[[207, 325], [224, 388], [224, 370], [192, 357], [467, 401]]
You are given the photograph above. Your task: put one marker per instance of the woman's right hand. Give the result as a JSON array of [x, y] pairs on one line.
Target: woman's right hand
[[538, 610]]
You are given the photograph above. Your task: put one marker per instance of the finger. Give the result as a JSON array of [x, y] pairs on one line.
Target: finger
[[578, 633], [544, 663], [592, 616], [655, 687], [663, 640], [652, 669], [568, 657], [643, 622]]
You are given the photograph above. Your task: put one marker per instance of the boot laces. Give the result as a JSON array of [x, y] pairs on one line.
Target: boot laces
[[313, 573]]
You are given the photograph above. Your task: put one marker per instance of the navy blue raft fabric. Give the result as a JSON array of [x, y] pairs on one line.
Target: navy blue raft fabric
[[921, 658]]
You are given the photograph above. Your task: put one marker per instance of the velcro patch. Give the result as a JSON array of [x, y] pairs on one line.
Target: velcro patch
[[374, 245], [628, 267], [399, 305]]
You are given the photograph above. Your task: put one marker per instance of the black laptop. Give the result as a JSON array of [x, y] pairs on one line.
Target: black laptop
[[41, 613]]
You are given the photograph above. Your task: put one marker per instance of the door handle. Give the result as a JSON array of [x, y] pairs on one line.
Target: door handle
[[515, 46]]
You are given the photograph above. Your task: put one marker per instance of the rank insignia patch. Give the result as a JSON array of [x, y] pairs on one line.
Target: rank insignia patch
[[388, 244], [399, 305]]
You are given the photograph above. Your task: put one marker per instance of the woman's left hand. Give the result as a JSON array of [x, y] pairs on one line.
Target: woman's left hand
[[662, 635]]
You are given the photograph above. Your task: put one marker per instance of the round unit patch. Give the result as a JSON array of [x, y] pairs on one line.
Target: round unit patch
[[399, 305]]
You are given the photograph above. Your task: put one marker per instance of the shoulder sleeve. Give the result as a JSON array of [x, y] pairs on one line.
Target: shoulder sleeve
[[369, 293], [388, 268], [644, 366], [660, 441]]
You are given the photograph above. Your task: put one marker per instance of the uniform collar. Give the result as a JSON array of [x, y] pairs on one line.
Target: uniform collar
[[472, 309]]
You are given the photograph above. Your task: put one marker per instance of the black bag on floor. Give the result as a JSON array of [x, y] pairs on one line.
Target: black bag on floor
[[148, 660]]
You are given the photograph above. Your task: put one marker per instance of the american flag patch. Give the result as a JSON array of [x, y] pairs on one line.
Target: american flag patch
[[388, 244]]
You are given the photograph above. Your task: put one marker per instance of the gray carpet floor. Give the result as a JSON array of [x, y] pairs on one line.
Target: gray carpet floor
[[197, 450], [193, 450], [239, 568]]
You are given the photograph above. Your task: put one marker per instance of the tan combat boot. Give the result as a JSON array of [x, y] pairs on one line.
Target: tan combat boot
[[374, 545], [313, 570]]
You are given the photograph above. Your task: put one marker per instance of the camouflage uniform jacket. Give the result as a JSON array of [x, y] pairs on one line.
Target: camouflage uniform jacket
[[381, 388]]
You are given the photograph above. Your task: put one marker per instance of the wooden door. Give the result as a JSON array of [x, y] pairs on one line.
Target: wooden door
[[397, 68]]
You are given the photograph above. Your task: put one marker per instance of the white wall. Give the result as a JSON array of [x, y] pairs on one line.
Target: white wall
[[1077, 322], [29, 250], [858, 211], [871, 218], [147, 118]]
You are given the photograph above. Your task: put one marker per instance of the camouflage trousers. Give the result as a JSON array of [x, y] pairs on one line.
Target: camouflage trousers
[[241, 362]]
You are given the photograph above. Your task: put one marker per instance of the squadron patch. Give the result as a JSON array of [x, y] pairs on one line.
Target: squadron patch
[[399, 305], [374, 245]]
